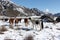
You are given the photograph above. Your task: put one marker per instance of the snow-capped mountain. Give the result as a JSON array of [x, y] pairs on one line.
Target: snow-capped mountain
[[57, 14], [9, 8]]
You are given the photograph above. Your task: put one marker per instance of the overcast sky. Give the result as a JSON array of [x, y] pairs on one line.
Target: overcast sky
[[52, 5]]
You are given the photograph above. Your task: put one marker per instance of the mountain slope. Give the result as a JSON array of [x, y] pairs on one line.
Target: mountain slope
[[57, 15], [11, 9]]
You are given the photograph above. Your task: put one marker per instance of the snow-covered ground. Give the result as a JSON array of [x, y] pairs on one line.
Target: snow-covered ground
[[50, 33]]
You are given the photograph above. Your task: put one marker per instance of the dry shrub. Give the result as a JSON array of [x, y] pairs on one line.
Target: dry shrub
[[3, 28], [1, 33], [46, 27], [9, 39], [30, 37], [17, 28], [11, 26]]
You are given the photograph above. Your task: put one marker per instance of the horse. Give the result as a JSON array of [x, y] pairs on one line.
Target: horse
[[26, 21], [11, 21]]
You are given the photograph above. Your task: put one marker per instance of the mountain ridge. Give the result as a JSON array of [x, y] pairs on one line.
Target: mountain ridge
[[11, 9]]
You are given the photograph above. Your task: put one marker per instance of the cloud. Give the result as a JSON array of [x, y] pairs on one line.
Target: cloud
[[47, 10]]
